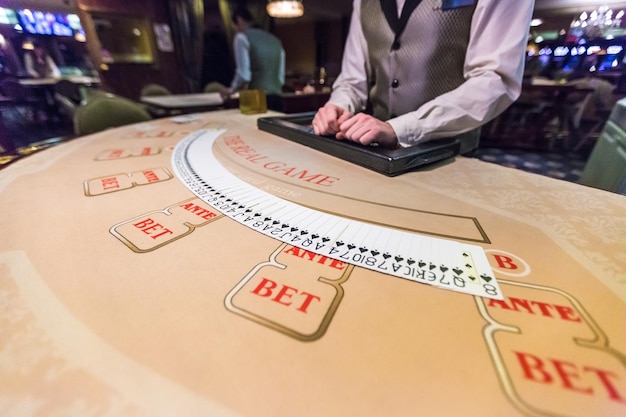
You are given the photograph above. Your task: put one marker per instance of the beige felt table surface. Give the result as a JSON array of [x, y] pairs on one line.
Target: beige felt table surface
[[103, 315]]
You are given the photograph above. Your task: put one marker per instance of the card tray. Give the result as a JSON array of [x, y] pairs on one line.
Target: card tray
[[391, 162]]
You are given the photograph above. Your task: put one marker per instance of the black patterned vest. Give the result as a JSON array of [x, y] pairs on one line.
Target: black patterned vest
[[427, 62]]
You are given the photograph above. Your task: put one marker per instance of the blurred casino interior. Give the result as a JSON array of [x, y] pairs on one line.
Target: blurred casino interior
[[120, 47]]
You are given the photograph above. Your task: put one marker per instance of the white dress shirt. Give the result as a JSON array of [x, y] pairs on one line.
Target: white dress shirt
[[493, 70]]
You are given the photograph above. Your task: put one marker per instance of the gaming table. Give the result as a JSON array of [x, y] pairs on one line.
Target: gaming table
[[128, 288], [186, 103]]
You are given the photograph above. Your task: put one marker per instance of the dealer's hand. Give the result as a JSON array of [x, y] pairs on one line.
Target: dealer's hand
[[225, 92], [328, 119], [366, 129]]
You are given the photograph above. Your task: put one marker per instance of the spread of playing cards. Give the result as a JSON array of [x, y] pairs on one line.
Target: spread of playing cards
[[442, 263]]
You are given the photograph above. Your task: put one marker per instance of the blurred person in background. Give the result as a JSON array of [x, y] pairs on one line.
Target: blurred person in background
[[259, 58], [39, 64]]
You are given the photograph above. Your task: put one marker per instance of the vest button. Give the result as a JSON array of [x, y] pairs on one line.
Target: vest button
[[395, 45], [395, 83]]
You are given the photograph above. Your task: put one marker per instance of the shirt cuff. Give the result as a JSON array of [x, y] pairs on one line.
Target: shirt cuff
[[407, 130]]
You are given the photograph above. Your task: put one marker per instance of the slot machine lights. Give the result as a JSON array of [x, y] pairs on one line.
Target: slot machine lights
[[600, 23], [614, 49], [532, 49], [7, 16], [545, 51], [561, 51], [285, 8], [80, 37], [37, 22], [593, 49], [28, 45]]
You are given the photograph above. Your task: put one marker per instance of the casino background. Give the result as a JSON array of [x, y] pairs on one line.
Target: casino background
[[555, 164], [313, 43]]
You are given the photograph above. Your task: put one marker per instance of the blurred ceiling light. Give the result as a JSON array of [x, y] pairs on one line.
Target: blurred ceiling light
[[536, 22], [598, 23], [285, 8]]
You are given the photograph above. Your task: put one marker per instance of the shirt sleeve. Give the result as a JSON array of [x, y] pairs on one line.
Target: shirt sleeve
[[281, 68], [350, 89], [493, 70], [243, 74], [54, 70], [28, 66]]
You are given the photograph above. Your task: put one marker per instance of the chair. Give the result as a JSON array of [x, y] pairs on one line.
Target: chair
[[154, 90], [70, 90], [105, 111], [570, 115], [66, 108], [214, 87], [6, 143], [594, 129], [606, 167], [91, 93], [597, 111]]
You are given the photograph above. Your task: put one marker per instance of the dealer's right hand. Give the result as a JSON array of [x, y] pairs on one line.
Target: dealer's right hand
[[328, 119]]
